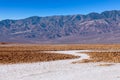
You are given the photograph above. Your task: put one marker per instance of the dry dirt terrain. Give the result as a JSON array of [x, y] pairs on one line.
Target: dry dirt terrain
[[104, 57], [21, 53], [111, 57], [12, 56], [35, 62], [54, 47]]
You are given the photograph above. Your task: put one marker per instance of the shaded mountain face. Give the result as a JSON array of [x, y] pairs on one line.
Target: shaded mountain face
[[90, 28]]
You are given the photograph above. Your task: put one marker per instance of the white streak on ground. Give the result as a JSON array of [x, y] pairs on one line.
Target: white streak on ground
[[60, 70]]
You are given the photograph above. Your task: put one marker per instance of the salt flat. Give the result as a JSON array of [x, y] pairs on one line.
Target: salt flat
[[61, 70]]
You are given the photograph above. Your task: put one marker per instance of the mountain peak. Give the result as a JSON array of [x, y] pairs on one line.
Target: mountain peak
[[90, 28]]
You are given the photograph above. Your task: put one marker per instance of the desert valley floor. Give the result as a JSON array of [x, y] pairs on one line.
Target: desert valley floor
[[80, 62]]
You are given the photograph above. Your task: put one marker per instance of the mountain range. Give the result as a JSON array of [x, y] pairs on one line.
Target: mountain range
[[90, 28]]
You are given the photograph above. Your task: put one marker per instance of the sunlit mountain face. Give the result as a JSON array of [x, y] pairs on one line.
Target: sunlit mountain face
[[90, 28]]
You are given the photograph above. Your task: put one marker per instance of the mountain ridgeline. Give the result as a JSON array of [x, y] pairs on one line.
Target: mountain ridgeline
[[90, 28]]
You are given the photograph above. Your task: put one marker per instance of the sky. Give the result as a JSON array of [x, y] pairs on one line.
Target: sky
[[19, 9]]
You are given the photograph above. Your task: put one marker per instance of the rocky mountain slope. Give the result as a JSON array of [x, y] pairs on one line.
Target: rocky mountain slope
[[90, 28]]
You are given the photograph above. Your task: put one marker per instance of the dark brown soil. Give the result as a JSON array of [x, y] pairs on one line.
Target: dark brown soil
[[11, 57], [105, 56]]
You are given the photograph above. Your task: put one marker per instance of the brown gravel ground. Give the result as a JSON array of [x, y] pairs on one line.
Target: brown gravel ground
[[110, 57], [12, 57], [53, 47], [16, 50]]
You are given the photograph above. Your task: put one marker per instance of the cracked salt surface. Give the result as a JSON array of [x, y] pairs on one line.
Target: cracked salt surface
[[60, 70]]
